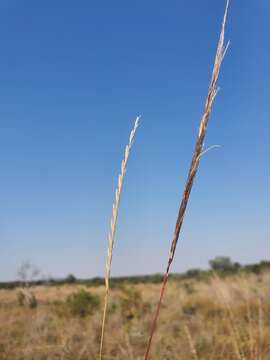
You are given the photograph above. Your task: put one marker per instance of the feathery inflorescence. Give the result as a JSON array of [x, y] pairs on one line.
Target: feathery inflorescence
[[111, 236], [220, 53]]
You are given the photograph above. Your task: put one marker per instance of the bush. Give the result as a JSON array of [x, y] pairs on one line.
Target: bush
[[189, 288], [82, 303], [204, 307], [32, 301], [20, 298], [190, 309], [254, 268], [70, 279], [193, 273], [132, 304], [27, 298]]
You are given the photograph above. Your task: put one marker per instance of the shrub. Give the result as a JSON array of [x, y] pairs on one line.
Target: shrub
[[132, 304], [189, 288], [193, 273], [70, 279], [82, 303], [190, 309], [20, 298], [32, 301], [27, 298]]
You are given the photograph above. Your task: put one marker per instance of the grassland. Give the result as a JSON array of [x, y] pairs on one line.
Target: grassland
[[215, 318]]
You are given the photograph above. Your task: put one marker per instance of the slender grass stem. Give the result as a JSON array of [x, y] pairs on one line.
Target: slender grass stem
[[196, 157], [111, 237]]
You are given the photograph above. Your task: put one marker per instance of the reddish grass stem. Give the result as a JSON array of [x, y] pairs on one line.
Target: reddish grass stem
[[196, 157]]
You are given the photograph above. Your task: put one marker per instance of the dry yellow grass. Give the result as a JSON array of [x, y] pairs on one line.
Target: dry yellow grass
[[222, 319]]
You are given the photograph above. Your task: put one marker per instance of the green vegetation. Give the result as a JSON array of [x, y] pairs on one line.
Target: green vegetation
[[132, 304], [221, 265], [82, 303]]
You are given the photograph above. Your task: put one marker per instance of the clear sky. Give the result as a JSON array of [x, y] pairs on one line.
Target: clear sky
[[73, 76]]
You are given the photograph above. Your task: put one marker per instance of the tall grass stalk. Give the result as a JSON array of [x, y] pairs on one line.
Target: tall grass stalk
[[191, 343], [196, 157], [111, 236]]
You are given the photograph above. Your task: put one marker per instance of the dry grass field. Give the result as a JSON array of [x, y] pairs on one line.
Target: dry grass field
[[221, 318]]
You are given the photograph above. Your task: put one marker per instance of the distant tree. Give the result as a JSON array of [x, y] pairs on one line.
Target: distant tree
[[27, 274], [51, 280], [193, 273], [254, 268], [221, 263], [71, 279], [237, 266], [265, 264]]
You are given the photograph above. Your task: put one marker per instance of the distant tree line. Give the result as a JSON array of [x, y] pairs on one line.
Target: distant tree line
[[221, 265]]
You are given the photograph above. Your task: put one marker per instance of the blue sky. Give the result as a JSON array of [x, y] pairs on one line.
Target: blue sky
[[73, 76]]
